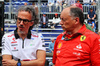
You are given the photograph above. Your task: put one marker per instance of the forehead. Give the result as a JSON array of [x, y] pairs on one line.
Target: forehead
[[91, 9], [24, 14], [65, 13]]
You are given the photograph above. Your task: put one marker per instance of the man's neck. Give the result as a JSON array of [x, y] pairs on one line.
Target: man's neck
[[22, 35], [75, 30]]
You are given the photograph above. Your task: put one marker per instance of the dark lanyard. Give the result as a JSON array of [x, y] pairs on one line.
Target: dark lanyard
[[66, 38]]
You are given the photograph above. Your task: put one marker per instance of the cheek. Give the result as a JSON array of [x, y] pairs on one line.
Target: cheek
[[66, 24], [27, 26], [17, 24]]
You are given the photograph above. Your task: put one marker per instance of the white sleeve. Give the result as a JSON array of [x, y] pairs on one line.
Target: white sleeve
[[41, 45], [59, 20], [5, 46], [53, 21]]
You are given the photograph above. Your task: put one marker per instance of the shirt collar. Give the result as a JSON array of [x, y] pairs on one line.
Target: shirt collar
[[81, 31], [17, 36]]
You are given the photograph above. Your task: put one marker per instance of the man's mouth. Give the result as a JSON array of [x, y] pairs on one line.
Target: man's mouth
[[21, 27]]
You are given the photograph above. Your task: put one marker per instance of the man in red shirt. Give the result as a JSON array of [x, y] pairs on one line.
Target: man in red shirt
[[77, 46]]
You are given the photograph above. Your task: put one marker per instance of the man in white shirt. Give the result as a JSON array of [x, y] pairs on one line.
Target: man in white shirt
[[68, 3], [50, 3], [59, 4], [35, 7], [86, 2], [24, 47]]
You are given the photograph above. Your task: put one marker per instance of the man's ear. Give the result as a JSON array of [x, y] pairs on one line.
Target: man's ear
[[32, 23], [77, 20]]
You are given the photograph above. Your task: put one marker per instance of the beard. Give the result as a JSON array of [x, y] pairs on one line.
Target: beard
[[20, 30]]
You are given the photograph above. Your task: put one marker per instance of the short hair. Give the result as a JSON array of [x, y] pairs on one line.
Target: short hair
[[44, 13], [31, 10], [77, 12], [55, 15], [91, 9], [33, 3]]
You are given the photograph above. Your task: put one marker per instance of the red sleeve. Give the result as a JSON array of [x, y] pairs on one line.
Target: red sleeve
[[55, 48], [54, 53], [95, 52]]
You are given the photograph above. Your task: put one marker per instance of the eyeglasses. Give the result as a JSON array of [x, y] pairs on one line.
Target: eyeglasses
[[25, 21]]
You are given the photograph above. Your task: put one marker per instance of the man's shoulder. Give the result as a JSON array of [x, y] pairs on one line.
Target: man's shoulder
[[9, 34], [41, 16], [46, 16], [88, 26], [60, 35], [88, 12], [93, 11], [36, 34], [91, 34], [33, 33]]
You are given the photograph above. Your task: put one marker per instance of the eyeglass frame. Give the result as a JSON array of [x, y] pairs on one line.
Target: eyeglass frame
[[20, 19]]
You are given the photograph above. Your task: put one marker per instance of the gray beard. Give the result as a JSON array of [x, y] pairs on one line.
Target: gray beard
[[22, 32]]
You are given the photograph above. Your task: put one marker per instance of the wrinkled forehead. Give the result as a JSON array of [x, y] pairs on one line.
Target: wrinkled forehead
[[24, 15], [65, 12]]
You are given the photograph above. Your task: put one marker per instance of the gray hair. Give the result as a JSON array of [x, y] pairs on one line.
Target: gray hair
[[77, 12], [31, 10]]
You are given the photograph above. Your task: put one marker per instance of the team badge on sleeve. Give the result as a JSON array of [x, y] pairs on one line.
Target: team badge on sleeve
[[59, 45], [82, 38]]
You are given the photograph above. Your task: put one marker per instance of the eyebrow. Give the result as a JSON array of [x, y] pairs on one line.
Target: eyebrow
[[24, 19]]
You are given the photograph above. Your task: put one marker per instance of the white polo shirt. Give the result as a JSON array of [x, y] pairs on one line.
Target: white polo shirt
[[22, 49], [86, 1]]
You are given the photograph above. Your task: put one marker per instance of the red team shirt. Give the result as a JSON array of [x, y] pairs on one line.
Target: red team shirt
[[81, 50]]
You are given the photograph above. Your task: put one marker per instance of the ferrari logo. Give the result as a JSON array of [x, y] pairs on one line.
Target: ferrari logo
[[83, 38], [59, 45]]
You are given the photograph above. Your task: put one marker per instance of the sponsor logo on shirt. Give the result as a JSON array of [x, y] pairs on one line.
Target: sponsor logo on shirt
[[41, 36], [14, 44], [10, 35], [14, 41], [32, 38], [99, 40], [34, 35], [59, 45], [57, 53], [82, 38], [31, 44], [78, 47], [15, 49]]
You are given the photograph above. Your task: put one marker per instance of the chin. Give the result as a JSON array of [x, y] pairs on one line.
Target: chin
[[21, 31]]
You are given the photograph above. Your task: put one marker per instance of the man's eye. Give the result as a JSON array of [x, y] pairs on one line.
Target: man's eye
[[20, 19], [25, 20], [61, 18]]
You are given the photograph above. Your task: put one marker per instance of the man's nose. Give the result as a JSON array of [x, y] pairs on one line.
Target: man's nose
[[21, 22], [60, 23]]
